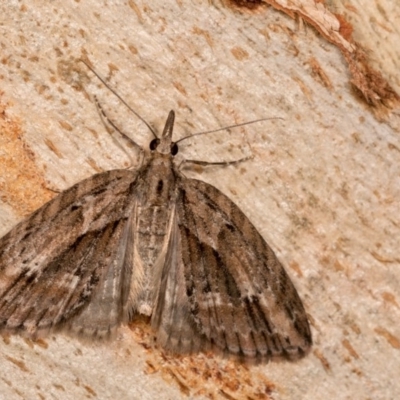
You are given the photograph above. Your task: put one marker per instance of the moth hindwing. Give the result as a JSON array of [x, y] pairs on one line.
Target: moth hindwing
[[151, 242]]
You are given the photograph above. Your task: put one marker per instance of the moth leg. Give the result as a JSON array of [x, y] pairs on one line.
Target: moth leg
[[207, 163], [107, 120], [104, 117], [225, 163]]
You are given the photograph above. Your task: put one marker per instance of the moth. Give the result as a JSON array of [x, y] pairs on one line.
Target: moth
[[152, 242]]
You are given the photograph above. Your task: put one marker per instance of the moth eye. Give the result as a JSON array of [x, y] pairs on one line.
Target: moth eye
[[154, 144], [174, 149]]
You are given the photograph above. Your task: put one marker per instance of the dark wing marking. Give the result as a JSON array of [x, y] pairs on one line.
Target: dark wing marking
[[240, 296], [68, 254], [171, 317]]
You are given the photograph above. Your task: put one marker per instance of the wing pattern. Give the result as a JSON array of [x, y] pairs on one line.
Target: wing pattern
[[239, 295], [64, 255]]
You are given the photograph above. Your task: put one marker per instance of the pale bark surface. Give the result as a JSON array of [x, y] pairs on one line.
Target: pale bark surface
[[323, 188]]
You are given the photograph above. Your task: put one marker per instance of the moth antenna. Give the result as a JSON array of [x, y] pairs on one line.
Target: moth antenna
[[224, 163], [226, 127], [120, 98]]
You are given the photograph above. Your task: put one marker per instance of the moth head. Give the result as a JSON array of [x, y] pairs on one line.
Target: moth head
[[165, 145]]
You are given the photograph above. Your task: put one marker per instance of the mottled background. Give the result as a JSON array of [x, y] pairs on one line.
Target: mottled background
[[323, 188]]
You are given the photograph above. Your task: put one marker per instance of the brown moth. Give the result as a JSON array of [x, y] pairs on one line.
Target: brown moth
[[156, 243]]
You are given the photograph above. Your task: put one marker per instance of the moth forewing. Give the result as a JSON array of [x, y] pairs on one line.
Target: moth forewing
[[241, 298], [161, 264], [52, 263], [107, 307], [172, 317]]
